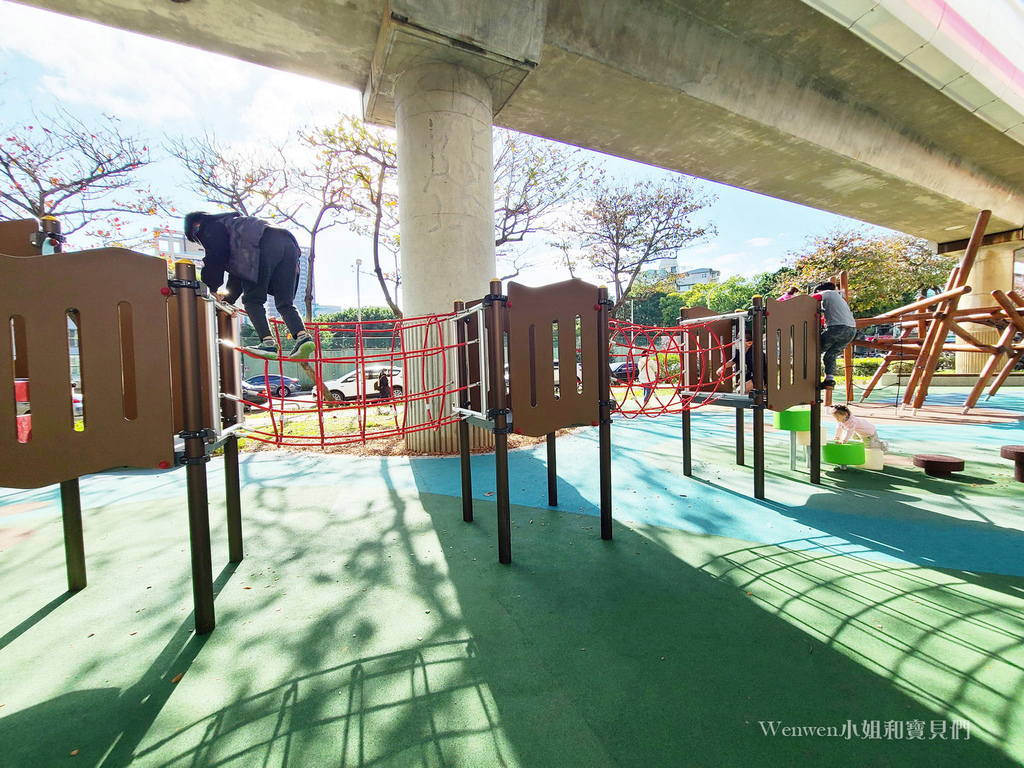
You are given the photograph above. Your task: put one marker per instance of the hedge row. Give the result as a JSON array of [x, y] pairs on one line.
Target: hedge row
[[866, 366]]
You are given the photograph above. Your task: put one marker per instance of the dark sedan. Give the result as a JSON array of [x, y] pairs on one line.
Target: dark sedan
[[624, 371], [281, 386]]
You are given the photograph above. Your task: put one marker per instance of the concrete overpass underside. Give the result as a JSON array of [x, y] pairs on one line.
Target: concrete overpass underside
[[777, 98]]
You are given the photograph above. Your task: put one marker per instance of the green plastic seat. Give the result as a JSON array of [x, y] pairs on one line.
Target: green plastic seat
[[851, 454], [793, 420]]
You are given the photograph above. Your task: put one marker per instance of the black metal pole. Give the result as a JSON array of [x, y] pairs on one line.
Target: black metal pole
[[70, 493], [467, 472], [496, 361], [687, 446], [74, 539], [464, 457], [740, 424], [552, 472], [231, 414], [760, 387], [815, 448], [604, 379], [233, 495], [195, 448]]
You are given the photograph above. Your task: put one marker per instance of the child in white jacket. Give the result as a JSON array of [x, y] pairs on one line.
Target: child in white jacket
[[850, 425]]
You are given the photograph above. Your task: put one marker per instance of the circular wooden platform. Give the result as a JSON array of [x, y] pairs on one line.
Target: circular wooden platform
[[937, 465], [1015, 453]]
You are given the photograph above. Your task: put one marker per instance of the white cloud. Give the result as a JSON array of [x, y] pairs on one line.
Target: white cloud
[[758, 242], [129, 75], [282, 102], [730, 258]]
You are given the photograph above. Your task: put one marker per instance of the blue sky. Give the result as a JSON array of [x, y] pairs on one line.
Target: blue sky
[[157, 88]]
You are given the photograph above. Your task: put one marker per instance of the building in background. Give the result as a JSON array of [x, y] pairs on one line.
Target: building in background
[[667, 268], [692, 277], [662, 268]]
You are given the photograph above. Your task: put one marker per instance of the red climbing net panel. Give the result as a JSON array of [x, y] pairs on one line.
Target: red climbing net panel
[[348, 406], [681, 367], [658, 371]]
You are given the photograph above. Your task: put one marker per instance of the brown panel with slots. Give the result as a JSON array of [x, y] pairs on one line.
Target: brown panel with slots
[[15, 237], [114, 296], [792, 343], [537, 409], [704, 349]]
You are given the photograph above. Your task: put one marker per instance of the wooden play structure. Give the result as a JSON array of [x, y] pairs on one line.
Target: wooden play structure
[[545, 330], [540, 327], [786, 344], [924, 326], [157, 387]]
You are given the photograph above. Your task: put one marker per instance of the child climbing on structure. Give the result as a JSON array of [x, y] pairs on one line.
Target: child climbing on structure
[[850, 425]]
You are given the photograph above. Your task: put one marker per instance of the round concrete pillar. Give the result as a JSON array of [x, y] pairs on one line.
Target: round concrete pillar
[[445, 186], [446, 202], [993, 270]]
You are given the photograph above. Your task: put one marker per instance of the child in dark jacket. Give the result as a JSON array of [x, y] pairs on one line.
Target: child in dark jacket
[[259, 260]]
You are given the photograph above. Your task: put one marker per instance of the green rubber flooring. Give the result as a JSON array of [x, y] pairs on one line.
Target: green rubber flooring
[[874, 620]]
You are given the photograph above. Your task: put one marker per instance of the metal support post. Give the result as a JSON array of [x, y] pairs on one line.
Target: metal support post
[[496, 361], [195, 449], [760, 387], [233, 496], [740, 426], [552, 472], [604, 376], [74, 539], [464, 456], [687, 446], [231, 414]]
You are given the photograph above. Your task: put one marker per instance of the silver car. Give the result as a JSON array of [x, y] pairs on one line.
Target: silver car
[[351, 386]]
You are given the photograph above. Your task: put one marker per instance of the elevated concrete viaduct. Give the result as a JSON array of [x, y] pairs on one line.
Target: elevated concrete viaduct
[[908, 114]]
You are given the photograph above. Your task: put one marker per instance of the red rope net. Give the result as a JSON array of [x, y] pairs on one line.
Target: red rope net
[[348, 407], [648, 366]]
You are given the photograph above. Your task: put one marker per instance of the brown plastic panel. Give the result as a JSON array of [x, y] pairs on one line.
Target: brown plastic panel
[[793, 341], [536, 410], [41, 289], [14, 237]]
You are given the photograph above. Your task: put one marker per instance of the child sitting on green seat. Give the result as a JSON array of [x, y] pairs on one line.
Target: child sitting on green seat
[[850, 425]]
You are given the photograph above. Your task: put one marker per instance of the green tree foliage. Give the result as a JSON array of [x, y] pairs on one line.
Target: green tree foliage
[[669, 306], [885, 271], [644, 303], [86, 175], [731, 294], [623, 227], [378, 330]]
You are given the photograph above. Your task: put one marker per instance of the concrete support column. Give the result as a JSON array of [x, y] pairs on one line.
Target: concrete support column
[[993, 270], [446, 197]]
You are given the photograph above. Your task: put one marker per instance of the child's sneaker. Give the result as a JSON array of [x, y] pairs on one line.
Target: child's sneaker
[[828, 383], [304, 347], [268, 348]]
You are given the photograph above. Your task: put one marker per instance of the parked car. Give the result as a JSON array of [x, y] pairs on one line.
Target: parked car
[[624, 371], [282, 386], [349, 387]]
